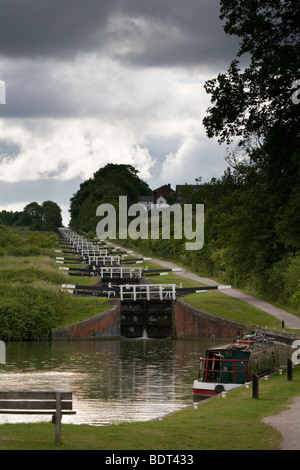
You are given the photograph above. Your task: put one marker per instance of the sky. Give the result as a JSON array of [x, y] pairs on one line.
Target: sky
[[91, 82]]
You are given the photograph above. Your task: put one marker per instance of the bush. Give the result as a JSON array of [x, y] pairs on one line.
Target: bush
[[292, 281], [42, 240], [9, 239], [31, 274], [30, 250], [27, 313]]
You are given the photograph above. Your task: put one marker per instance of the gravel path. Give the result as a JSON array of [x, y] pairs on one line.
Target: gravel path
[[288, 424]]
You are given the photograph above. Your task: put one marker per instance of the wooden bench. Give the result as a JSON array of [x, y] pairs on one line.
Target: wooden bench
[[38, 402]]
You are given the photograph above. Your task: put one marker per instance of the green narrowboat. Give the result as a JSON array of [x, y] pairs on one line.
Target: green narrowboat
[[227, 367]]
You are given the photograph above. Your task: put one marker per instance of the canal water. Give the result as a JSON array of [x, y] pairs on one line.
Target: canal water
[[112, 381]]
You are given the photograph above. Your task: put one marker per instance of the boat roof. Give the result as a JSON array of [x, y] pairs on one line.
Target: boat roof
[[247, 342]]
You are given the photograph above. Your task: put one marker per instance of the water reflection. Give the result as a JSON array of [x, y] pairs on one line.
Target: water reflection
[[112, 381]]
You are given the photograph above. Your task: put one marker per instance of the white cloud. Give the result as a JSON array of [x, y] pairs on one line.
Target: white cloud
[[106, 112], [195, 157], [70, 149], [137, 98]]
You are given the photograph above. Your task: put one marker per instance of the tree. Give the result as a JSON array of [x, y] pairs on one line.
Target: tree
[[256, 105], [7, 217], [52, 218], [106, 185], [32, 213], [45, 217], [257, 102]]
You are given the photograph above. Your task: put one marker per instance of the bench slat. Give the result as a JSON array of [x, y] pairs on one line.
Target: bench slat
[[33, 405], [38, 402], [34, 412], [35, 395]]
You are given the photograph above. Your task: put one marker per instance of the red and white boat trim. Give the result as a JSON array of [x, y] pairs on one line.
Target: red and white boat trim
[[210, 389]]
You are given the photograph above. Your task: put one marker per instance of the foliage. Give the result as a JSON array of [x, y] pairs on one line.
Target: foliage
[[253, 101], [256, 234], [45, 217], [106, 185], [26, 243], [27, 313], [31, 301], [244, 244], [8, 238]]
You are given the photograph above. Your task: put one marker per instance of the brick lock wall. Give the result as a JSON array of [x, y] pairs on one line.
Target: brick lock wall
[[103, 325], [191, 322]]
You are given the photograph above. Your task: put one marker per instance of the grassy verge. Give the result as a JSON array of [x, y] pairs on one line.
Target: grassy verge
[[247, 289], [80, 308], [231, 423], [31, 301], [227, 307], [217, 303]]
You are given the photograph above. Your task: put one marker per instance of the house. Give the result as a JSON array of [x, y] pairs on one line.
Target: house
[[160, 202], [163, 196]]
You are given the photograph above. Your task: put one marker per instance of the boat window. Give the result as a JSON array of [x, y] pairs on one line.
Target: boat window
[[213, 365]]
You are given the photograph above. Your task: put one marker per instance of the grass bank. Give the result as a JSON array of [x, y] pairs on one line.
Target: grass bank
[[31, 301], [217, 303], [231, 423], [196, 268], [233, 309]]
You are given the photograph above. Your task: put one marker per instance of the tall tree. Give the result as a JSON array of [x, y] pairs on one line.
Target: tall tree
[[33, 213], [52, 218], [106, 185], [255, 101], [256, 104]]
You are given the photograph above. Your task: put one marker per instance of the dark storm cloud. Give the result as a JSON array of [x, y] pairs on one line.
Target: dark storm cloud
[[151, 33], [50, 27], [96, 81], [39, 37], [33, 90], [174, 33]]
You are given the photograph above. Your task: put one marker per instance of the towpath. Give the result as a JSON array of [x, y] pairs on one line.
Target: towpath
[[288, 424]]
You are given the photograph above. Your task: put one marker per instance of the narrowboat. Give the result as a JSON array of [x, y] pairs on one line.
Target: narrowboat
[[229, 366]]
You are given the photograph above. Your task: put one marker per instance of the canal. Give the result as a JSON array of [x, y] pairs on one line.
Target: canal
[[112, 381]]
